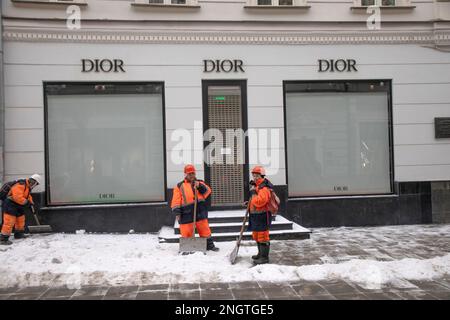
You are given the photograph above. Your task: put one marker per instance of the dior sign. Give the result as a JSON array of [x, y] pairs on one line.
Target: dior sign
[[223, 66], [339, 65], [102, 65]]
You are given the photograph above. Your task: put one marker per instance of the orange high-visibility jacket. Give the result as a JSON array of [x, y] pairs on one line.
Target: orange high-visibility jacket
[[20, 193], [260, 200], [260, 218], [183, 201]]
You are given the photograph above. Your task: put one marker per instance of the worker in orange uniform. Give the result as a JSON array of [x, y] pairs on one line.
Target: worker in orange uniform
[[183, 206], [260, 218], [13, 208]]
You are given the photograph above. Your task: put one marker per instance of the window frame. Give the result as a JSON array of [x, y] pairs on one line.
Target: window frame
[[381, 3], [388, 83], [166, 4], [296, 4], [399, 4], [46, 140]]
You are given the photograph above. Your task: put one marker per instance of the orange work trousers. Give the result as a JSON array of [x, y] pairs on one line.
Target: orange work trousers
[[202, 226], [10, 222], [261, 236]]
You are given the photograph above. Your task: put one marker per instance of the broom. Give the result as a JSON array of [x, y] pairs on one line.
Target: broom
[[39, 228]]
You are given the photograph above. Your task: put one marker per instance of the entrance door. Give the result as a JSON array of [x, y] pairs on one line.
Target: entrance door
[[226, 170]]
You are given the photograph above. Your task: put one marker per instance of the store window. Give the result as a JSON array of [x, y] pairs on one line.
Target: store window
[[338, 138], [105, 143]]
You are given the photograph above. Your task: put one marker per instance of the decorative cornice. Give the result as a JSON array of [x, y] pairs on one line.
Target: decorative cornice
[[434, 38]]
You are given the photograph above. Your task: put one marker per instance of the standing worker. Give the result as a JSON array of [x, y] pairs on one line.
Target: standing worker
[[183, 207], [13, 208], [260, 218]]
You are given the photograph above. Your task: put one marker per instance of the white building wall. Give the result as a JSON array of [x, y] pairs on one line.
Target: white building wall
[[226, 10], [421, 91], [2, 112]]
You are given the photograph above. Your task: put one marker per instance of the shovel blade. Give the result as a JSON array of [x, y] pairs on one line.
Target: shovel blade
[[40, 229], [233, 255], [192, 244]]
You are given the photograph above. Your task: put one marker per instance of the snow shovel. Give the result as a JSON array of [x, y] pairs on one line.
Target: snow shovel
[[38, 228], [193, 243], [234, 253]]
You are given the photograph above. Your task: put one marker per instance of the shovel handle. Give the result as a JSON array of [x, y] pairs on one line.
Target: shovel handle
[[245, 219], [195, 209], [35, 216]]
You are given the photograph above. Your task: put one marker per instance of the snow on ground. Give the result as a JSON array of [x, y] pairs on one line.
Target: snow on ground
[[139, 259]]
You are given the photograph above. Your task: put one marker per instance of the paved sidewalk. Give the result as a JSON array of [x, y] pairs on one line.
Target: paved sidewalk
[[331, 245], [329, 290]]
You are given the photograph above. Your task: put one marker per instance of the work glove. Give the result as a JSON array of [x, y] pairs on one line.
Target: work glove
[[28, 204], [195, 184]]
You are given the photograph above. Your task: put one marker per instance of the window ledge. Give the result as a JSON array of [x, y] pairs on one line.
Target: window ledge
[[276, 7], [161, 5], [103, 205], [63, 3], [383, 7], [343, 197]]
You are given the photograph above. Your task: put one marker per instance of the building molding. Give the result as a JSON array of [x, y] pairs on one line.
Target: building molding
[[438, 38]]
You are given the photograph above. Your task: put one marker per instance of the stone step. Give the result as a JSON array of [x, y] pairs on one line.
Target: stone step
[[278, 223], [167, 235], [228, 216]]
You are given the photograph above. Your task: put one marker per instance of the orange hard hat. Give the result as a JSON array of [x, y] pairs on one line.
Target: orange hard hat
[[260, 170], [189, 169]]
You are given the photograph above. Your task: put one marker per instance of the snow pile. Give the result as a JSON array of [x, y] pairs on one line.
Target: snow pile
[[138, 259], [373, 274]]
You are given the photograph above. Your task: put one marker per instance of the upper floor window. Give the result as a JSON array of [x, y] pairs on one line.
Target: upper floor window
[[277, 3], [375, 2], [383, 3], [280, 2], [184, 3]]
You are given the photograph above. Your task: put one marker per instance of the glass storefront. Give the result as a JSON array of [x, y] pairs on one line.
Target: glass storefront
[[105, 143], [338, 138]]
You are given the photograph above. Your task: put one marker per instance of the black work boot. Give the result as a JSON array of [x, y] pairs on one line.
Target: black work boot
[[4, 240], [259, 252], [210, 245], [264, 256], [20, 235]]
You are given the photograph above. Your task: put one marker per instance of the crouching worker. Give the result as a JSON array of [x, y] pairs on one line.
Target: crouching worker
[[183, 207], [260, 218], [13, 208]]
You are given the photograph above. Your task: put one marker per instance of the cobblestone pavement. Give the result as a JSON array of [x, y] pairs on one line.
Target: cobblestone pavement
[[330, 245]]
